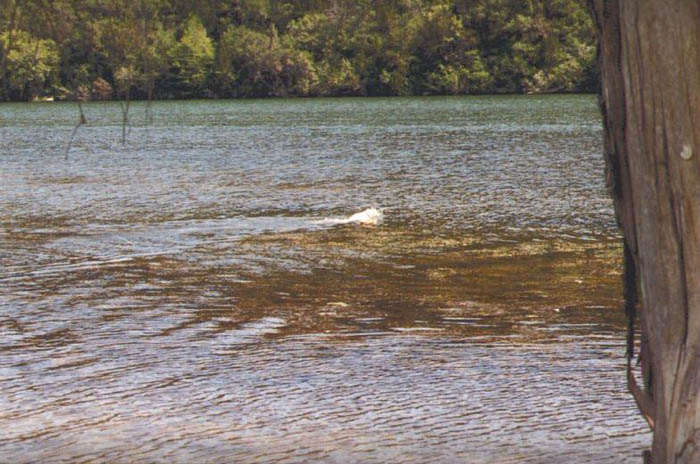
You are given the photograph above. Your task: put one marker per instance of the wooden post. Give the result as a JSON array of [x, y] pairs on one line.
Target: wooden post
[[650, 98]]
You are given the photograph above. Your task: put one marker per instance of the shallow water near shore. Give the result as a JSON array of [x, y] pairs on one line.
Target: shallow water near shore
[[195, 295]]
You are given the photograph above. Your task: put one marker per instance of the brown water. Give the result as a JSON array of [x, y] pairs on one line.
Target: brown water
[[180, 298]]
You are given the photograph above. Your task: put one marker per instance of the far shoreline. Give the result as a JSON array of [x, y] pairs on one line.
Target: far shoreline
[[313, 98]]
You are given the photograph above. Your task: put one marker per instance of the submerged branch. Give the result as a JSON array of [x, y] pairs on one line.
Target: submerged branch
[[81, 120], [125, 118]]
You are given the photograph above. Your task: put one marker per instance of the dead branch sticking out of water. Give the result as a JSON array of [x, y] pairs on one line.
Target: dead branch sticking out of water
[[149, 101], [125, 118], [81, 120]]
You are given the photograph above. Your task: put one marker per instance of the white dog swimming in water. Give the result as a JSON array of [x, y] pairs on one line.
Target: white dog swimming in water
[[368, 217]]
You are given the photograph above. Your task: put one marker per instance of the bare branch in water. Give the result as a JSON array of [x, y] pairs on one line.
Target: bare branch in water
[[125, 117], [149, 101], [81, 120]]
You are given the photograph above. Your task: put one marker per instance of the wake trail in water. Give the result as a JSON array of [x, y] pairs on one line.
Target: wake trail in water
[[106, 249], [61, 268]]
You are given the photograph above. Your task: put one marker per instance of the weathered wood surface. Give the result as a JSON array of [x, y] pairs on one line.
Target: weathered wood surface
[[650, 98]]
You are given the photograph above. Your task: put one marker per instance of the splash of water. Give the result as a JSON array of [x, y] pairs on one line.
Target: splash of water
[[367, 217]]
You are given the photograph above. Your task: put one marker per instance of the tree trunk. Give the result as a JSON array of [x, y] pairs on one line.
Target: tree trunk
[[15, 14], [650, 97]]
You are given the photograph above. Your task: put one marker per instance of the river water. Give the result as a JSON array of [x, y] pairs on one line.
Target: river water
[[190, 295]]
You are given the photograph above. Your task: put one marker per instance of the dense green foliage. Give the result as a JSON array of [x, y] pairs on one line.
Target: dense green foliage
[[92, 49]]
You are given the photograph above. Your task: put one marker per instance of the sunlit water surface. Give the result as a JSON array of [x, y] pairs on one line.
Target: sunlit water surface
[[180, 297]]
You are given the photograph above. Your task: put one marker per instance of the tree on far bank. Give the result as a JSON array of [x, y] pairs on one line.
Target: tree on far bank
[[191, 60], [187, 49], [30, 64]]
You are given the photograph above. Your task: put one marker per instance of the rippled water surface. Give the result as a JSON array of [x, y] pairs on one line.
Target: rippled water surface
[[182, 297]]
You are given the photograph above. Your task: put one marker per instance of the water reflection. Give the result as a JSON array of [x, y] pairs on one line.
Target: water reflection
[[180, 298]]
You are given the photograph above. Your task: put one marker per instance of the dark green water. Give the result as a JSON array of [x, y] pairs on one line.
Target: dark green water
[[192, 295]]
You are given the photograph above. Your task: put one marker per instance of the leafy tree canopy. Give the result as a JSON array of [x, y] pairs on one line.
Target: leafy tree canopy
[[255, 48]]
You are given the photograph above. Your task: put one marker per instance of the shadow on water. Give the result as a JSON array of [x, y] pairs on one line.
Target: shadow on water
[[400, 279], [183, 300]]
